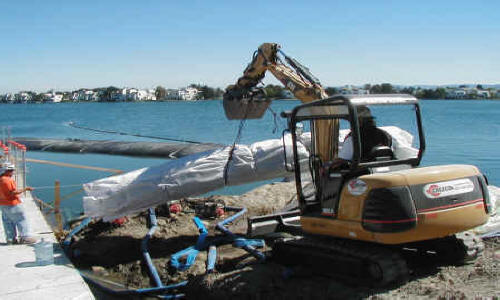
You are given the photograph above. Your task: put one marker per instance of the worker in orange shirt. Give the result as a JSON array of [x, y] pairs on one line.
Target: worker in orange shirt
[[14, 220]]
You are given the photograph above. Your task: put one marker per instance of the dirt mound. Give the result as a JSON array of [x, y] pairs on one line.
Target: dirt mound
[[112, 252]]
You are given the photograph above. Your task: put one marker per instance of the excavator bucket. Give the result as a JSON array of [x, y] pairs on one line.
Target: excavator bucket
[[245, 104]]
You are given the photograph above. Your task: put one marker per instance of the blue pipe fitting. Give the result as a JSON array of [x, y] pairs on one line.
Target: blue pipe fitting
[[143, 291], [67, 240], [241, 242], [160, 288], [144, 248], [247, 247], [190, 253], [212, 258]]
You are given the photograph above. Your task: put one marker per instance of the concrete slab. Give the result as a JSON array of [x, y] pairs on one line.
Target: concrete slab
[[22, 278]]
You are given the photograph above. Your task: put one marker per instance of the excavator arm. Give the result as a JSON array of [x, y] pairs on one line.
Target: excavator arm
[[244, 100], [294, 76]]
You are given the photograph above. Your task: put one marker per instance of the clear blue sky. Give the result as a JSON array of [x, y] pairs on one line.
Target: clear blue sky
[[71, 44]]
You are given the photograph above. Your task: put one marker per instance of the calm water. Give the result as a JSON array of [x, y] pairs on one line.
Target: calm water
[[465, 132]]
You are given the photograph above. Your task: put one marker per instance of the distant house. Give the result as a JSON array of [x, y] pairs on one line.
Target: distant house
[[483, 94], [83, 95], [131, 94], [118, 96], [151, 95], [66, 96], [172, 94], [89, 95], [22, 97], [10, 98], [52, 97], [188, 94], [471, 92], [98, 96], [349, 89], [459, 94]]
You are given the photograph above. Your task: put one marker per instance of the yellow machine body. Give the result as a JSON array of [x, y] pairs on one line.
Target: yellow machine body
[[443, 219]]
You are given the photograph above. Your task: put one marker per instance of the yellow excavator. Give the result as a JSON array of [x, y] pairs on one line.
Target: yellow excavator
[[359, 212]]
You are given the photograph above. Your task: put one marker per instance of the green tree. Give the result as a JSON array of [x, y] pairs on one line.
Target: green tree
[[218, 93], [106, 95], [331, 91], [408, 90], [160, 93], [273, 91], [386, 88], [376, 89], [440, 93], [39, 97]]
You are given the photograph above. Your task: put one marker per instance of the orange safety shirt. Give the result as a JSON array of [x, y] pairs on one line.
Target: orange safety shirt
[[7, 185]]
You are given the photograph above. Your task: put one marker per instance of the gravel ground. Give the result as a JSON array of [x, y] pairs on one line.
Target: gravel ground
[[112, 253]]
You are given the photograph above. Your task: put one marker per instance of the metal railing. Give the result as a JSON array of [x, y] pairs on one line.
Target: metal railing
[[15, 153]]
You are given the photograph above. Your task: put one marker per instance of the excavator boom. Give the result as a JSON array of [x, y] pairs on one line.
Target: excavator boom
[[294, 76], [244, 100]]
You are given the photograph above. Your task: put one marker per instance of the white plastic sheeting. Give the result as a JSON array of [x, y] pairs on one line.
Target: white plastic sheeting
[[492, 228], [191, 175], [402, 141], [200, 173]]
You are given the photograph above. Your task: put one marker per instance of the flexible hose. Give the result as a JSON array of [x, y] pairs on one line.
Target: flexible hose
[[221, 227], [160, 288], [144, 248], [143, 291]]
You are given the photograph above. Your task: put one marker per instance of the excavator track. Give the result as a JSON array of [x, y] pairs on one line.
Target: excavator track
[[456, 249], [352, 261], [460, 248]]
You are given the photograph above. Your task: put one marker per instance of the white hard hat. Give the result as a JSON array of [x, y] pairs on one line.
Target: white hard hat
[[7, 166]]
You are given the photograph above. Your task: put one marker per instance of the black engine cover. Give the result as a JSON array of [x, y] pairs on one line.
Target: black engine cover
[[389, 210]]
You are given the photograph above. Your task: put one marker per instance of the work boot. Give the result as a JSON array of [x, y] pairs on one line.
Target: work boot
[[27, 240]]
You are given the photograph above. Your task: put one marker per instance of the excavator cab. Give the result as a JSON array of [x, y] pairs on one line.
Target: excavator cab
[[359, 212], [360, 187], [372, 147]]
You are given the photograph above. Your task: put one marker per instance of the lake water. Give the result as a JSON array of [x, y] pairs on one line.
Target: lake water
[[457, 132]]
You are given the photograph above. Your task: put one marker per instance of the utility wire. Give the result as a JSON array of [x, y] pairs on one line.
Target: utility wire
[[72, 124], [52, 186]]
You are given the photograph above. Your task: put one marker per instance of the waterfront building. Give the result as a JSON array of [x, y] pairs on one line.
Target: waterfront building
[[459, 94], [118, 96], [52, 97], [172, 94], [483, 94], [151, 95], [10, 98], [22, 97], [471, 93], [188, 94], [349, 89]]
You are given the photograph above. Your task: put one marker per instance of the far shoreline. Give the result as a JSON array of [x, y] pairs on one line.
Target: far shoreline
[[220, 99], [203, 100]]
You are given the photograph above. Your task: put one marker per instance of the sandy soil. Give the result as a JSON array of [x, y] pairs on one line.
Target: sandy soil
[[112, 253]]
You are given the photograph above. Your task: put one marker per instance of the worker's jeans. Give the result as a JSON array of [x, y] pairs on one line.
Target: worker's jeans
[[14, 222]]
